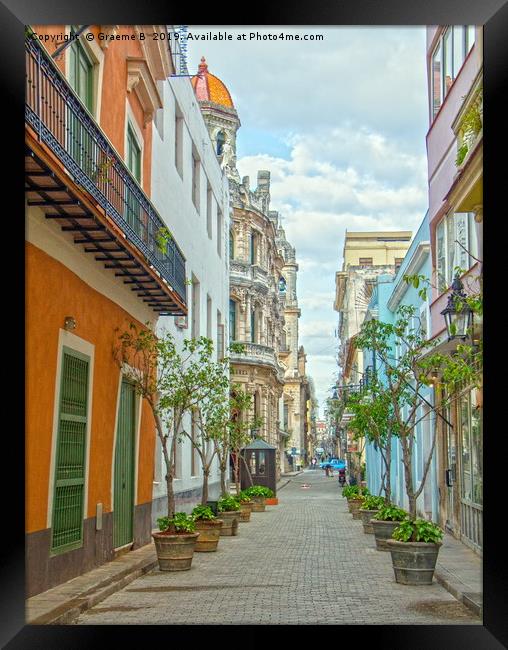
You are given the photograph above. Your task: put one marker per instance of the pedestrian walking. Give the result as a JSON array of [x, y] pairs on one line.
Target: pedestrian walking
[[314, 462]]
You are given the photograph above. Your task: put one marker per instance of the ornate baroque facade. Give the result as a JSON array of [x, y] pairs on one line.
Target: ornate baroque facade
[[263, 308]]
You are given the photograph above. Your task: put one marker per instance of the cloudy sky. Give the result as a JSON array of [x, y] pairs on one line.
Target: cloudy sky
[[341, 125]]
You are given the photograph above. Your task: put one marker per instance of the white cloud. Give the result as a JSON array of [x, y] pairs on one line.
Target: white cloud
[[352, 112]]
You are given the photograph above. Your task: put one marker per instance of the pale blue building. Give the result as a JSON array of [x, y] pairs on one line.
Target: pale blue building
[[390, 292]]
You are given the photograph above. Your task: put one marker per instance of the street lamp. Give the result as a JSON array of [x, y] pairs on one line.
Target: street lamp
[[457, 314]]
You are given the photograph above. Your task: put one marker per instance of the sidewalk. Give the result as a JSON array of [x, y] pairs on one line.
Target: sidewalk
[[63, 604], [459, 571]]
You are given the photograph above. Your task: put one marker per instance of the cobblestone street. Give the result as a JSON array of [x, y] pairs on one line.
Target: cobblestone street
[[305, 561]]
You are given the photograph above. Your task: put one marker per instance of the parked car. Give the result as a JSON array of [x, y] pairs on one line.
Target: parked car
[[336, 464]]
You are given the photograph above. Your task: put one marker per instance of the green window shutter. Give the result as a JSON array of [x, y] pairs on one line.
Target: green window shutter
[[70, 465], [133, 161]]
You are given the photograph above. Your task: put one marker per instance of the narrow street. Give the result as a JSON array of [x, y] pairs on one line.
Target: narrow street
[[305, 561]]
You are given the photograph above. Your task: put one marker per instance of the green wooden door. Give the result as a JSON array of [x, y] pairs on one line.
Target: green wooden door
[[123, 498], [70, 460]]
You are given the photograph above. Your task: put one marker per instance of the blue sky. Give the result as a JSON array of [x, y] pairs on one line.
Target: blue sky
[[341, 125]]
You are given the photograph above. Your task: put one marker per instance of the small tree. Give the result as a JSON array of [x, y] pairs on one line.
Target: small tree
[[240, 425], [172, 382], [374, 421], [210, 417], [405, 378]]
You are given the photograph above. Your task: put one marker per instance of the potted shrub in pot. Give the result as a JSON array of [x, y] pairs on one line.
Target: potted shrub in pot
[[176, 541], [414, 549], [384, 522], [257, 494], [368, 509], [229, 509], [245, 506], [208, 526], [355, 495], [270, 498]]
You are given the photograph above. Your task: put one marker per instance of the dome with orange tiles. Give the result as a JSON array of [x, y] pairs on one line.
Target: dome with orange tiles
[[209, 88]]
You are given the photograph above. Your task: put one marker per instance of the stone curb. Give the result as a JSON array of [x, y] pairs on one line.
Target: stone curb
[[68, 611], [456, 588]]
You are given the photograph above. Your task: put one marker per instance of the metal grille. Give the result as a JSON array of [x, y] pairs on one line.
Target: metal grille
[[67, 530]]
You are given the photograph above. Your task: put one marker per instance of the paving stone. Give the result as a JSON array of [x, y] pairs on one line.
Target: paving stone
[[305, 561]]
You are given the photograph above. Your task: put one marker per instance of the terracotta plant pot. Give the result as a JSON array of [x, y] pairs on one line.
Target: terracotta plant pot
[[366, 516], [245, 510], [354, 507], [175, 552], [383, 532], [271, 501], [209, 534], [258, 504], [413, 562], [230, 521]]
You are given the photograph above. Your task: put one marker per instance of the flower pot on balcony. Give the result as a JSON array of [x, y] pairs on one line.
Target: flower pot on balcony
[[209, 535], [413, 562], [175, 551]]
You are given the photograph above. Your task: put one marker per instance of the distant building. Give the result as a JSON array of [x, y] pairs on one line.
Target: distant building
[[366, 255], [263, 308]]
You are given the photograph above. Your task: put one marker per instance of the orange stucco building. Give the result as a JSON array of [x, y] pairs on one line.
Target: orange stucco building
[[92, 266]]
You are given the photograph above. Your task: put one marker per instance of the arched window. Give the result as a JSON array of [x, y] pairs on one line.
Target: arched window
[[231, 245], [221, 139], [282, 284]]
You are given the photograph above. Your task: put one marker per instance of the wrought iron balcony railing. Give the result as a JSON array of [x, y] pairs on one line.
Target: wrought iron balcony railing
[[62, 122]]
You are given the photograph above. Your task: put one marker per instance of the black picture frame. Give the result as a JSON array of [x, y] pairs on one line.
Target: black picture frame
[[493, 14]]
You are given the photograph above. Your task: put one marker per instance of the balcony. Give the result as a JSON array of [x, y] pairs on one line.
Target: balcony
[[74, 174], [257, 354], [249, 274]]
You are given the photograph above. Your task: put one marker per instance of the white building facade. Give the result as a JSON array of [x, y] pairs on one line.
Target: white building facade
[[189, 186]]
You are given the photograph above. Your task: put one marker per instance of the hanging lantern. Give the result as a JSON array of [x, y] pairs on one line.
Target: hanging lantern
[[457, 314]]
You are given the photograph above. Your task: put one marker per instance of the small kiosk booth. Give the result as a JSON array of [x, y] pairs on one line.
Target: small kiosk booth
[[261, 461]]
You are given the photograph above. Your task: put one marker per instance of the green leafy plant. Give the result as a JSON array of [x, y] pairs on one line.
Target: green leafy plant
[[259, 491], [203, 513], [228, 504], [355, 492], [163, 237], [390, 513], [418, 530], [461, 154], [243, 497], [179, 523], [372, 502]]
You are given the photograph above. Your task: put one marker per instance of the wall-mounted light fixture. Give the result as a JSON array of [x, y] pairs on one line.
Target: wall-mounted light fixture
[[70, 323]]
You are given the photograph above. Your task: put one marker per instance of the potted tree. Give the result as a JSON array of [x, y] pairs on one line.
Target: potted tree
[[384, 522], [414, 549], [208, 526], [173, 383], [258, 495], [176, 541], [368, 509], [229, 509], [355, 495]]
